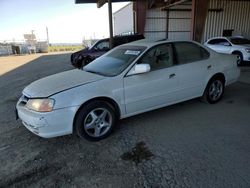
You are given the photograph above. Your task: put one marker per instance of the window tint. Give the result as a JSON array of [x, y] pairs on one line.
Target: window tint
[[104, 45], [159, 57], [219, 42], [187, 52], [239, 40], [119, 40]]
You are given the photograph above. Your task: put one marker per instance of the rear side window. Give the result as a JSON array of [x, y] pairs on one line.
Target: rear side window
[[187, 52]]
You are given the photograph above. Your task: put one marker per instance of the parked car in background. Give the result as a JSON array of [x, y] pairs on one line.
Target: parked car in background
[[128, 80], [231, 45], [85, 56]]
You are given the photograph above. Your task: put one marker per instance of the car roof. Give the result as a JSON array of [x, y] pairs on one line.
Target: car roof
[[217, 38], [152, 42], [232, 37]]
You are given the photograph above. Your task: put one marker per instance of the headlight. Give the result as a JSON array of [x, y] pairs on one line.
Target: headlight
[[41, 105], [247, 50]]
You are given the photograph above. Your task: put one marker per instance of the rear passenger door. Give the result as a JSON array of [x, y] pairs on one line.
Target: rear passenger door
[[193, 67]]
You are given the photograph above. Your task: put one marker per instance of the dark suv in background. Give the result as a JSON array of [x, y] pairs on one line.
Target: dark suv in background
[[85, 56]]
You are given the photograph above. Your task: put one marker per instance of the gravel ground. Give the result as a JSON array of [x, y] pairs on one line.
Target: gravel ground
[[191, 144]]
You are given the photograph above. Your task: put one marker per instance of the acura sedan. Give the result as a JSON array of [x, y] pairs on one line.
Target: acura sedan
[[128, 80]]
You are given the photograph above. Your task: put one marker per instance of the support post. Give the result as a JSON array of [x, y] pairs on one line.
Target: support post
[[140, 8], [111, 39], [199, 15]]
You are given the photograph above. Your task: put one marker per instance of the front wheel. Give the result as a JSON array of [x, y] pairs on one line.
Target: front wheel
[[95, 121], [214, 91]]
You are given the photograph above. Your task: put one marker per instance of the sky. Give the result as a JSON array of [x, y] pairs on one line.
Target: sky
[[67, 22]]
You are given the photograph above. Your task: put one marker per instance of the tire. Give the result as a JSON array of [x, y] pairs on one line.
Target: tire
[[240, 56], [78, 62], [95, 121], [214, 90], [87, 60]]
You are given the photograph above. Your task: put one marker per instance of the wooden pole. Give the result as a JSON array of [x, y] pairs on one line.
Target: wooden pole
[[111, 39]]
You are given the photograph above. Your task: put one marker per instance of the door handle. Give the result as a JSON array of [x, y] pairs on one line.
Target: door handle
[[209, 67], [171, 75]]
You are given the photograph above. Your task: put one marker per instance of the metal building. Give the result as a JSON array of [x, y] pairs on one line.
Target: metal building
[[174, 23], [225, 15], [222, 18], [188, 19], [124, 20]]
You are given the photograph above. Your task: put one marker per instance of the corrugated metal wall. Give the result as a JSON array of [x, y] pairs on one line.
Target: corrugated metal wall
[[174, 23], [179, 22], [156, 24], [226, 14]]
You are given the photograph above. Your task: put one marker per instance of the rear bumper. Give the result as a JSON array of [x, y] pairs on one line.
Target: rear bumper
[[232, 75], [50, 124]]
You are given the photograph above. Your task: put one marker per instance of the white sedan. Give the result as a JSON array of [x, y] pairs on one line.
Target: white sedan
[[128, 80], [231, 45]]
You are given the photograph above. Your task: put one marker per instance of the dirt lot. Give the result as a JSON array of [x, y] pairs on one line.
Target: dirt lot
[[191, 144]]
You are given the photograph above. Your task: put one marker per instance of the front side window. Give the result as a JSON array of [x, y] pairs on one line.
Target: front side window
[[159, 57], [187, 52], [115, 62], [104, 45]]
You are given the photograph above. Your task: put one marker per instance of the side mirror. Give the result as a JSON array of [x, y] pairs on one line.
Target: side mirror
[[139, 69]]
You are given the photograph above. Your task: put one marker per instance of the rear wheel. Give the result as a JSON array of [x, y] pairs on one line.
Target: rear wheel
[[95, 121], [214, 90]]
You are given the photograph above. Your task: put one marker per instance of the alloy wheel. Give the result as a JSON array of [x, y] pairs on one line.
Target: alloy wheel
[[98, 122]]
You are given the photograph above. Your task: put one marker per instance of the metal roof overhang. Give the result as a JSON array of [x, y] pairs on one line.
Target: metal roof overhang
[[95, 1], [99, 3]]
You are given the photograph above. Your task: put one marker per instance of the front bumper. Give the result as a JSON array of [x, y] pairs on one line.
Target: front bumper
[[50, 124], [246, 57]]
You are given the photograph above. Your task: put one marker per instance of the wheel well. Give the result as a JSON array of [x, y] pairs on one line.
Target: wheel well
[[237, 52], [110, 101], [218, 75]]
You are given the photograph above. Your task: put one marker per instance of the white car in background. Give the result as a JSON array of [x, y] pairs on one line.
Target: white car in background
[[128, 80], [231, 45]]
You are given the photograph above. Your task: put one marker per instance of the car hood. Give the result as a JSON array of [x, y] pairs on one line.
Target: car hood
[[59, 82], [84, 51], [243, 45]]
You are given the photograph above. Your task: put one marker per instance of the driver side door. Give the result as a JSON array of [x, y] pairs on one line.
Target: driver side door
[[156, 88]]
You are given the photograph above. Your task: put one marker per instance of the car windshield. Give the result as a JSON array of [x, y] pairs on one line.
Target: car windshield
[[115, 62], [240, 41]]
